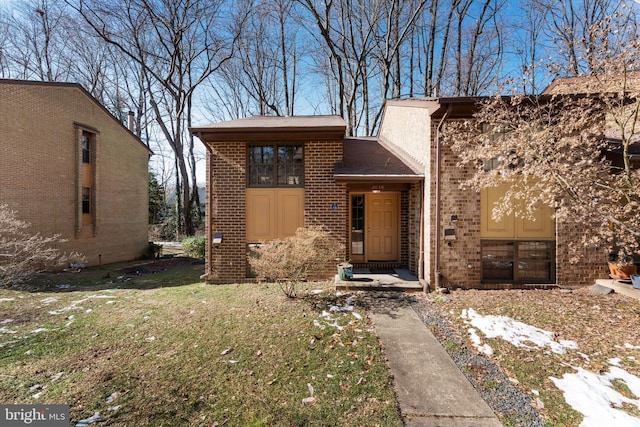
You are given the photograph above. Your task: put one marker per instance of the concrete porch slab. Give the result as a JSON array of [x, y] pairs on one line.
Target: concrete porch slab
[[400, 279], [621, 287]]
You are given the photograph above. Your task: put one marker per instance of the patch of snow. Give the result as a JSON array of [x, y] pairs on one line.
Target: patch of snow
[[477, 343], [7, 299], [49, 300], [6, 321], [594, 397], [317, 291], [96, 418], [614, 361], [70, 319], [334, 324], [584, 356], [347, 307], [37, 331], [4, 330], [113, 397], [517, 333], [57, 376], [171, 244], [357, 315], [75, 304]]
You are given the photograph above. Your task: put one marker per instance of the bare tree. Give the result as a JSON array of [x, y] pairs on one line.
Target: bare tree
[[527, 43], [178, 45], [363, 42], [264, 68], [572, 148], [571, 25], [37, 42]]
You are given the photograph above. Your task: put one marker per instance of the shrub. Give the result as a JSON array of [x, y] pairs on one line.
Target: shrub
[[288, 262], [194, 246], [23, 255]]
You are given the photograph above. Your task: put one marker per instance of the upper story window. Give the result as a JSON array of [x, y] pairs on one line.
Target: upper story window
[[86, 147], [275, 165]]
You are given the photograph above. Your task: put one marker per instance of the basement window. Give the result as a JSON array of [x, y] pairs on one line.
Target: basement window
[[509, 261]]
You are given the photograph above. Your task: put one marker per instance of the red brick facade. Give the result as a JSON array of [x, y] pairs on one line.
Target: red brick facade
[[413, 125], [433, 199], [225, 211], [325, 200]]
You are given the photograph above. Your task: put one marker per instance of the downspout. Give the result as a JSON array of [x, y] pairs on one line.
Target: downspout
[[425, 283], [208, 212], [438, 195]]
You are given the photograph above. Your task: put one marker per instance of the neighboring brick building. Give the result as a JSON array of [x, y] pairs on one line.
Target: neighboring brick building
[[393, 201], [69, 167], [464, 246]]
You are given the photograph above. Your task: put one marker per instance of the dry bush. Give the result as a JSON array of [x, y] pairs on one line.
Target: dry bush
[[290, 261], [22, 255]]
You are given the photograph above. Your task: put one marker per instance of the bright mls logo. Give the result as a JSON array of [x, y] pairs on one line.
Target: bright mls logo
[[34, 415]]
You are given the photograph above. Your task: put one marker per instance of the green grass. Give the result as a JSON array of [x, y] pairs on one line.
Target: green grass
[[170, 350]]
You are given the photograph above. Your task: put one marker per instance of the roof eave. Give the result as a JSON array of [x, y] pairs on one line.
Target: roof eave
[[260, 134], [361, 178]]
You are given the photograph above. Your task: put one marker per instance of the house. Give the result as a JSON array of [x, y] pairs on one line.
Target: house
[[71, 168], [393, 201]]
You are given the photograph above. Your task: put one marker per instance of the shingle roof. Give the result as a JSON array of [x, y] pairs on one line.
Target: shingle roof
[[257, 127], [366, 159]]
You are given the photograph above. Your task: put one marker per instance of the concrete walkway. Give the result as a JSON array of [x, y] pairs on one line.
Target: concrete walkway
[[431, 390]]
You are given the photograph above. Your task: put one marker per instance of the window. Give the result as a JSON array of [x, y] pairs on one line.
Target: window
[[357, 224], [86, 200], [86, 147], [275, 166], [518, 261]]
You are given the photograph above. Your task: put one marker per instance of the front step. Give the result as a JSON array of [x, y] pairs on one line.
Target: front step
[[398, 279]]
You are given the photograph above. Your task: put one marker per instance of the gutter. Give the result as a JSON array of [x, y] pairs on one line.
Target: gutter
[[208, 211], [438, 196]]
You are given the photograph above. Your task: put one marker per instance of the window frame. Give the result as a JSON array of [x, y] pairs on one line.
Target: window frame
[[275, 165], [86, 146], [516, 259], [87, 202]]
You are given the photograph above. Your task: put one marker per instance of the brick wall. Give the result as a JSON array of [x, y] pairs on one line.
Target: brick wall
[[460, 258], [577, 267], [322, 193], [414, 210], [227, 262], [39, 147], [464, 252]]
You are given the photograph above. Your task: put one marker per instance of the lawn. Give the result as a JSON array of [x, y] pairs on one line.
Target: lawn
[[593, 344], [166, 349]]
